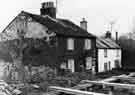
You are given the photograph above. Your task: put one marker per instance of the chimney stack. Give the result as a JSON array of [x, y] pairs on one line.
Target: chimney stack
[[108, 35], [116, 37], [49, 9], [83, 24]]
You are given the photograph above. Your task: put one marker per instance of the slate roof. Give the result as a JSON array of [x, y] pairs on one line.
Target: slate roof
[[107, 43], [60, 26]]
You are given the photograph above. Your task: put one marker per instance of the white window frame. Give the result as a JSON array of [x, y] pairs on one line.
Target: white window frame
[[70, 44], [87, 44], [71, 65], [88, 63]]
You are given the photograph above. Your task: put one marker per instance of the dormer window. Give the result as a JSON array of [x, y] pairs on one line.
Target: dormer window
[[70, 44], [87, 44]]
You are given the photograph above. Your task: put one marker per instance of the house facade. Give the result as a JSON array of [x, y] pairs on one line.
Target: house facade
[[77, 54], [49, 41], [108, 54]]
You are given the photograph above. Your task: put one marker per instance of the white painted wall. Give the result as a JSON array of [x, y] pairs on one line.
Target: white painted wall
[[111, 56]]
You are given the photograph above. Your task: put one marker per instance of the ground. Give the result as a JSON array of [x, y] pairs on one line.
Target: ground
[[71, 80]]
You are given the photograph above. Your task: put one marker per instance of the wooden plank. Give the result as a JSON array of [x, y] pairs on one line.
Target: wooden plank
[[119, 85], [109, 79], [81, 86], [113, 78], [74, 91], [126, 78]]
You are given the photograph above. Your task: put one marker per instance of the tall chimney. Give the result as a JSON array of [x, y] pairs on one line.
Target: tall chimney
[[116, 37], [49, 9], [108, 35], [83, 24]]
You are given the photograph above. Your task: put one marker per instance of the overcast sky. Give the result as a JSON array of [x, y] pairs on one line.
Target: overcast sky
[[98, 13]]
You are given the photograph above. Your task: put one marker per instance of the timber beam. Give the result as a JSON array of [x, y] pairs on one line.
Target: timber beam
[[73, 91], [117, 85]]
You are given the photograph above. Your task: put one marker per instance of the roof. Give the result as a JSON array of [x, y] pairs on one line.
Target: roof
[[60, 26], [106, 43]]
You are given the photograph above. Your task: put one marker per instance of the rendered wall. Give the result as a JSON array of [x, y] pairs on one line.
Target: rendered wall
[[111, 56]]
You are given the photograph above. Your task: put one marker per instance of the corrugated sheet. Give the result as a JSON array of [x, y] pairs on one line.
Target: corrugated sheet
[[106, 43]]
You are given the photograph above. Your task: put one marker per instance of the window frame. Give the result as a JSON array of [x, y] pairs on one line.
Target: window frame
[[70, 44], [87, 44]]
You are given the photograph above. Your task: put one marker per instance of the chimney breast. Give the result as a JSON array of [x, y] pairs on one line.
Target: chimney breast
[[83, 24], [49, 9]]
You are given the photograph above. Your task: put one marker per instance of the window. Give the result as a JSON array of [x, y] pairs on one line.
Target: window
[[117, 64], [105, 52], [52, 41], [70, 43], [107, 66], [71, 65], [117, 53], [87, 44], [63, 65], [89, 63]]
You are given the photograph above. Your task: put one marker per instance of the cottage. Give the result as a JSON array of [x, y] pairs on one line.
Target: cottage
[[46, 40], [108, 53]]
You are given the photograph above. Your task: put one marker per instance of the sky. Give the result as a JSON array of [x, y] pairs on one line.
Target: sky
[[98, 13]]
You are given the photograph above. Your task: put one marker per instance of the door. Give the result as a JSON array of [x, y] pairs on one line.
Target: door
[[117, 64], [109, 65], [71, 65], [105, 67], [88, 63]]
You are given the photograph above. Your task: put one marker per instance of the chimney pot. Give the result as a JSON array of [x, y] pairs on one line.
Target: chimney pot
[[116, 37], [49, 9], [83, 19], [108, 34]]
